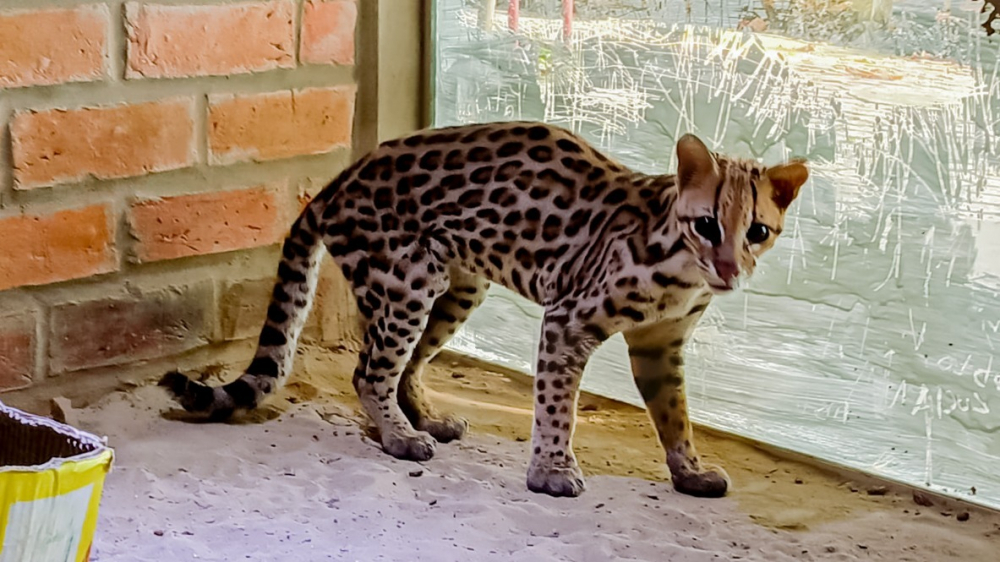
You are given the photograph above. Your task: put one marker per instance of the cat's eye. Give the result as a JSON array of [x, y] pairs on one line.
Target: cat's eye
[[757, 233], [708, 228]]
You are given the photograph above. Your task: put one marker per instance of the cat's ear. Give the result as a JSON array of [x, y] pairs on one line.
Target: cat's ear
[[786, 179], [694, 161]]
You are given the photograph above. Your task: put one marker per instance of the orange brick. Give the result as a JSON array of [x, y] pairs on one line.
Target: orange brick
[[205, 223], [53, 46], [118, 330], [17, 350], [339, 321], [243, 308], [176, 41], [309, 188], [279, 124], [63, 245], [328, 32], [60, 146]]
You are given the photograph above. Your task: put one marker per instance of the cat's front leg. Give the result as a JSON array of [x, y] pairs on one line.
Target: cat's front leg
[[656, 354], [563, 352]]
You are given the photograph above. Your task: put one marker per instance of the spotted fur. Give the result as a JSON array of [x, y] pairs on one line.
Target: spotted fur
[[423, 224]]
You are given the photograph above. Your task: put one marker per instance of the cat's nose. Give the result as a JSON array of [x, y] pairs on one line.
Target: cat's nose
[[727, 270]]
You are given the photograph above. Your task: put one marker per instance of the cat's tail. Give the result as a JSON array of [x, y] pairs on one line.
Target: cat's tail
[[286, 315]]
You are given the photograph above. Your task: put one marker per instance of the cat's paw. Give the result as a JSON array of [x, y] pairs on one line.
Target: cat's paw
[[448, 428], [555, 480], [409, 445], [690, 478]]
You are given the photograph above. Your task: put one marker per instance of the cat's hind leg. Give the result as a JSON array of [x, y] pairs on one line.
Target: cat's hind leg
[[397, 303], [450, 311]]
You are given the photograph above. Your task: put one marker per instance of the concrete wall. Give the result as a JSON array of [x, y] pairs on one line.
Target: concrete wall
[[152, 157]]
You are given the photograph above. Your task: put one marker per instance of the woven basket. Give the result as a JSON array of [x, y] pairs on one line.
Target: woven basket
[[51, 479]]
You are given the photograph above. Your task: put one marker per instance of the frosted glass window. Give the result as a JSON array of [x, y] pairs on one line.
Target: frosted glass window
[[869, 336]]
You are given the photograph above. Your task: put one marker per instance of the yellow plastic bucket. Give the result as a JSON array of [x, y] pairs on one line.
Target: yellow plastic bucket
[[51, 479]]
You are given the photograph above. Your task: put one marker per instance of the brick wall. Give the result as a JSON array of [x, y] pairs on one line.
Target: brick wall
[[152, 156]]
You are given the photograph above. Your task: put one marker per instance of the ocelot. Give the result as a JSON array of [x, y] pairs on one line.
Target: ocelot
[[423, 224]]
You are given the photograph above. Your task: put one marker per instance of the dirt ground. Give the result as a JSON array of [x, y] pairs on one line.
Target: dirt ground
[[304, 480]]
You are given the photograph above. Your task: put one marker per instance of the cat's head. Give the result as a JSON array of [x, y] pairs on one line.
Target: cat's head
[[731, 210]]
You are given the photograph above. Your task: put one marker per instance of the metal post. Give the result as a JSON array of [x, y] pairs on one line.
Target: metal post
[[567, 13], [486, 12]]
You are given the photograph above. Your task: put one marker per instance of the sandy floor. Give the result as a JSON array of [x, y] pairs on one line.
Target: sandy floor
[[304, 481]]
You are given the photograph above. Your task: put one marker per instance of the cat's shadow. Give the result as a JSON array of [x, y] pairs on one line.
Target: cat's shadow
[[260, 415]]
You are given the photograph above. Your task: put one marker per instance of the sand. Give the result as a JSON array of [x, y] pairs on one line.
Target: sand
[[304, 481]]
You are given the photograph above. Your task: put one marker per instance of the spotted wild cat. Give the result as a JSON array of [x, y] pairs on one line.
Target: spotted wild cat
[[423, 224]]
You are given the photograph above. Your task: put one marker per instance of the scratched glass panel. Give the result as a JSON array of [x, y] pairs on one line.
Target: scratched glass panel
[[868, 336]]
